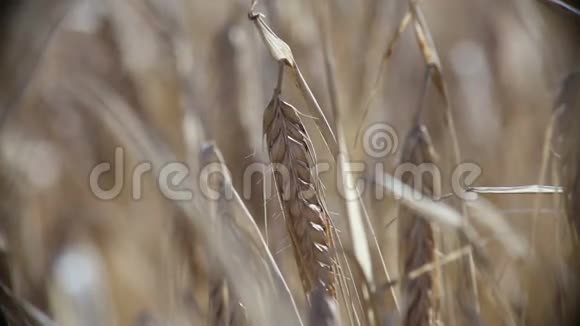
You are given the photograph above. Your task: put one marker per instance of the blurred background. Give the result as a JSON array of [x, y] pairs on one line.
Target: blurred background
[[161, 78]]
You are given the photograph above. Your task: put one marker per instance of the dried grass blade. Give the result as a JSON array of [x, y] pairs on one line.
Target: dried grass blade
[[281, 52], [241, 220], [384, 60], [486, 214], [315, 109], [278, 49], [436, 211], [353, 200], [355, 217], [430, 267], [531, 189], [264, 303], [431, 57], [546, 159], [223, 305]]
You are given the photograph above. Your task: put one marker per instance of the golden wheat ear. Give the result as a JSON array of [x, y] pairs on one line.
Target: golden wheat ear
[[307, 220]]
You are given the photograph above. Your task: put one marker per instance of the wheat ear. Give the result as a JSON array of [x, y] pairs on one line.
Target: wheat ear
[[307, 220], [416, 241]]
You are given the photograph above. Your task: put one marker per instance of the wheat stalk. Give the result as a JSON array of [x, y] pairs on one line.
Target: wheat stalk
[[355, 208], [225, 306], [282, 53], [403, 24], [433, 60]]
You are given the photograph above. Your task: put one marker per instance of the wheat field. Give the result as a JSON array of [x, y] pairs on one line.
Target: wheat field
[[289, 162]]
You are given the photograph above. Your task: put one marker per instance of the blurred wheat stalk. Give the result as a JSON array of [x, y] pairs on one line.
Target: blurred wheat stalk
[[188, 81]]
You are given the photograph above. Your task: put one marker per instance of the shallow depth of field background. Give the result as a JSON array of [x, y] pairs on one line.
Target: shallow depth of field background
[[192, 71]]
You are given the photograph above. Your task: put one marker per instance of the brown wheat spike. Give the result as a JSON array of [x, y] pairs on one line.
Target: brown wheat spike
[[416, 241], [307, 219]]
